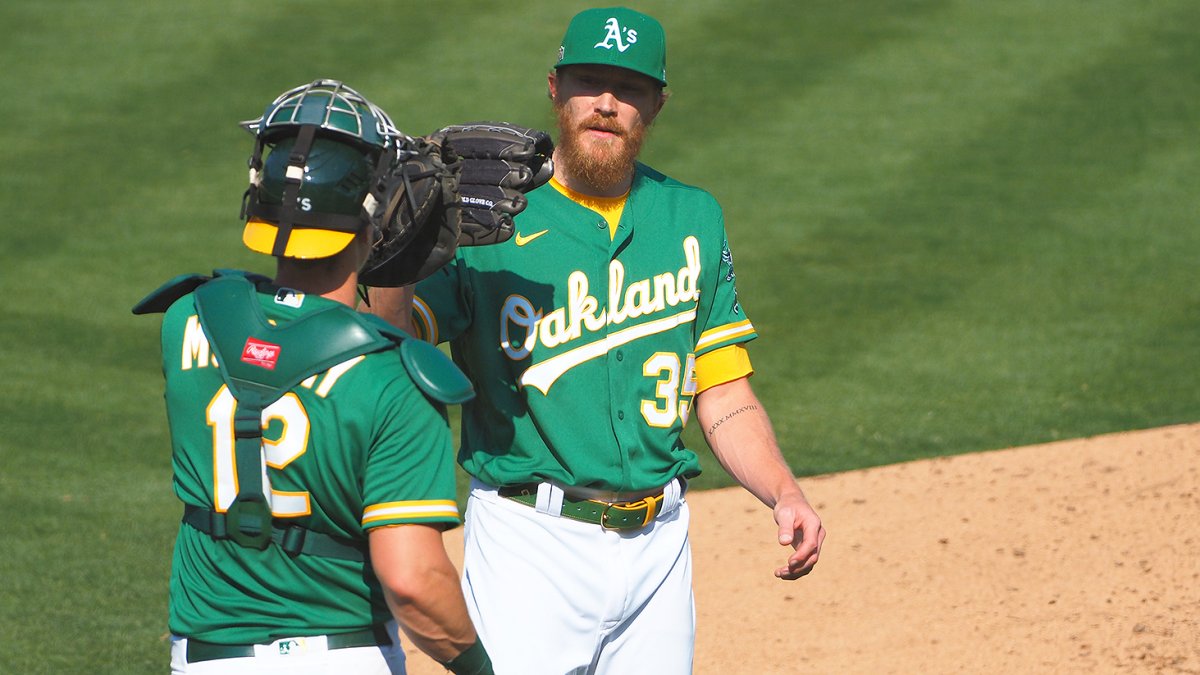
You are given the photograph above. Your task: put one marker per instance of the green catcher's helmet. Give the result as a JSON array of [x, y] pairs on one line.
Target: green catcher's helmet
[[329, 148]]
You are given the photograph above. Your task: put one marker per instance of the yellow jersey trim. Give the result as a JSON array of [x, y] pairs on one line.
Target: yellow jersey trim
[[424, 324], [412, 510], [722, 333]]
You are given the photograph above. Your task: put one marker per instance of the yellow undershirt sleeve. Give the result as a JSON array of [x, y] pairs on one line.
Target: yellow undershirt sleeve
[[722, 365]]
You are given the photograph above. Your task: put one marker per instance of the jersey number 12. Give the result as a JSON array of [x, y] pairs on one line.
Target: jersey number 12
[[277, 453]]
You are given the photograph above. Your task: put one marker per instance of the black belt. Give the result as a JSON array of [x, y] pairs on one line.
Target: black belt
[[199, 650], [632, 515]]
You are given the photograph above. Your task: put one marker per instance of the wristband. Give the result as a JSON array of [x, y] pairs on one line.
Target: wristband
[[473, 660]]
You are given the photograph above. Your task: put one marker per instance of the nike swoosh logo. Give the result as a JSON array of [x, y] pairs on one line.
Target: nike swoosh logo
[[521, 241]]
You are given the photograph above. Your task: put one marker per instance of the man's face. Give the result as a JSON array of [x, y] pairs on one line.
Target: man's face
[[603, 113]]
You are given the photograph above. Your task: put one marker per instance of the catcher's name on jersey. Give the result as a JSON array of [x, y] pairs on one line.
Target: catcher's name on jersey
[[523, 325], [195, 352]]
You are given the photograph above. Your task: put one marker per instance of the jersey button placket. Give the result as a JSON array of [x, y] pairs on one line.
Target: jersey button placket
[[619, 389]]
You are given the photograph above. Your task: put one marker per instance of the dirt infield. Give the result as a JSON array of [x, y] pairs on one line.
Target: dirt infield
[[1080, 556]]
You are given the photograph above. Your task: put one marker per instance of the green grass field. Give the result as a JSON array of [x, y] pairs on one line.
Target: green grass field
[[959, 225]]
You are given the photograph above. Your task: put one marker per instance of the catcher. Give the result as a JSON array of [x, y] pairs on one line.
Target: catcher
[[310, 443]]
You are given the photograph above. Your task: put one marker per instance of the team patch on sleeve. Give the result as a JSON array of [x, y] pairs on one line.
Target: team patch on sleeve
[[727, 333], [414, 511]]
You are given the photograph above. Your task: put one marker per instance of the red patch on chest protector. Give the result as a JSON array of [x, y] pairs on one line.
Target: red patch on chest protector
[[261, 354]]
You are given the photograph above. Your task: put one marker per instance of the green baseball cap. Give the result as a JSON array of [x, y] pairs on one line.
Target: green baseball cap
[[616, 36]]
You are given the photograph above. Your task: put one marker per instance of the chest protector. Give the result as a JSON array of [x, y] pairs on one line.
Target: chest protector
[[260, 362]]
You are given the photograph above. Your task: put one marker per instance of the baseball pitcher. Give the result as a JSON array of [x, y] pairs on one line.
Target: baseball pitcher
[[607, 321]]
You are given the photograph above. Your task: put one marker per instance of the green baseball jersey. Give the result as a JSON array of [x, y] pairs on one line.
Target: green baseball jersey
[[351, 448], [582, 346]]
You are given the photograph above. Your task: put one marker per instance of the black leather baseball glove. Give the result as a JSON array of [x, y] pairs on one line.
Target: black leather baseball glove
[[496, 163], [415, 237], [462, 187]]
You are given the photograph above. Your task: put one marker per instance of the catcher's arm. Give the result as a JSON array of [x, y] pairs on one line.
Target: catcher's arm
[[420, 586], [392, 304]]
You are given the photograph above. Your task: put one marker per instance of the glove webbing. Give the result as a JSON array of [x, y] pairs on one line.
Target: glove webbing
[[407, 175]]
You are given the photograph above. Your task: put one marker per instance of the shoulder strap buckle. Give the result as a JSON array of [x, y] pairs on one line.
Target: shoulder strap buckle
[[248, 521]]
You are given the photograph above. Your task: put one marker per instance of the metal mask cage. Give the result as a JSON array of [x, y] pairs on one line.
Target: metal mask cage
[[332, 109], [333, 106]]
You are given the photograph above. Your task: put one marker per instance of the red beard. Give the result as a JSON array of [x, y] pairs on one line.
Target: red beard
[[600, 164]]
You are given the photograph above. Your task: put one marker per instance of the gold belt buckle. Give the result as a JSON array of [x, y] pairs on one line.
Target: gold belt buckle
[[650, 504]]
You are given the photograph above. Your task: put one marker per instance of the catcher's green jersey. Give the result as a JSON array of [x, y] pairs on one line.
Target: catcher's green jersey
[[582, 346], [355, 447]]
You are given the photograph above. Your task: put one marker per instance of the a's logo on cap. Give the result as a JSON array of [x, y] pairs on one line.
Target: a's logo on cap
[[612, 36], [261, 354]]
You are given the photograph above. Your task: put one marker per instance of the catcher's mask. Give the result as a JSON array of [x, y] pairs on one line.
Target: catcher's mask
[[320, 184]]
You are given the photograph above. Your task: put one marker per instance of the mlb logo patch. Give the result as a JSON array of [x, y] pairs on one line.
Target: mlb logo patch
[[289, 297], [261, 354]]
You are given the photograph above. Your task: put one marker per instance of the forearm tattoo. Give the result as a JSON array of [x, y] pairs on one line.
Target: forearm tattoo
[[745, 408]]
